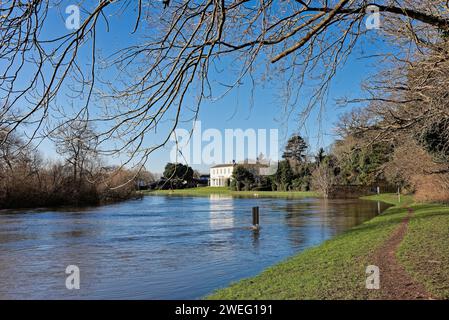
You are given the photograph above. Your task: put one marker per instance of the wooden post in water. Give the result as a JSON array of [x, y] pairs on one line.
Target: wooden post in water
[[256, 218]]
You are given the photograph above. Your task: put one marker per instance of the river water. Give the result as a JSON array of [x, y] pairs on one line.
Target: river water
[[161, 247]]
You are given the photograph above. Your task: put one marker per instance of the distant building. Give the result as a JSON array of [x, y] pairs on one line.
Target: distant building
[[221, 174]]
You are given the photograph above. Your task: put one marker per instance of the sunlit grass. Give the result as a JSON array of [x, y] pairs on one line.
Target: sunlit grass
[[391, 198], [424, 252]]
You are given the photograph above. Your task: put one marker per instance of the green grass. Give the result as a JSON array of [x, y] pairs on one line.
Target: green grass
[[391, 198], [336, 269], [206, 191], [424, 252]]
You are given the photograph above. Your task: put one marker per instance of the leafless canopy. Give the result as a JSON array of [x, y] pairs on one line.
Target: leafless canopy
[[175, 51]]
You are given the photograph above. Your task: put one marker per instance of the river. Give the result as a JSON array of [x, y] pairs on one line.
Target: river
[[161, 247]]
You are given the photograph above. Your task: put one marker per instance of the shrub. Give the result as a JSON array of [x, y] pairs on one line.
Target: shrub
[[432, 188]]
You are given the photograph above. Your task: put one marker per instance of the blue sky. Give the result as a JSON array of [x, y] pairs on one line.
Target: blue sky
[[234, 110]]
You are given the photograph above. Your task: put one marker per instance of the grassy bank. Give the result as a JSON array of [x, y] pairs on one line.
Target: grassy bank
[[391, 198], [207, 191], [424, 252], [336, 269]]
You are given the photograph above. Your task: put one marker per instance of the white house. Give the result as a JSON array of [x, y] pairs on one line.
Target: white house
[[220, 174]]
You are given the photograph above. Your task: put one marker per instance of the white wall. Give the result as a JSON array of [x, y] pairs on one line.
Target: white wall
[[219, 176]]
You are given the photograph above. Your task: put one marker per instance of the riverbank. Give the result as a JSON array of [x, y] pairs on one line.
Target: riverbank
[[207, 191], [336, 269]]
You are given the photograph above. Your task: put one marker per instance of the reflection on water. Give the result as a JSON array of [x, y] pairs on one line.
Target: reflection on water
[[161, 247], [221, 212]]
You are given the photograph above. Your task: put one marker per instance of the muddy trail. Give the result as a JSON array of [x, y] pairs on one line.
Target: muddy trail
[[395, 282]]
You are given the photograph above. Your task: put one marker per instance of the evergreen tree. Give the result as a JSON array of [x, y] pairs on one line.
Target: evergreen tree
[[284, 175], [296, 149], [320, 156], [242, 177], [177, 174]]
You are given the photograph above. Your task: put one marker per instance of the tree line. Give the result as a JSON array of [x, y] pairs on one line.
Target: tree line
[[406, 121], [399, 132], [348, 162], [81, 178], [345, 164]]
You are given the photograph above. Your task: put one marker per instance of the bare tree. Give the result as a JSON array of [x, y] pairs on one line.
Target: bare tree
[[177, 53], [19, 171], [77, 142], [323, 179]]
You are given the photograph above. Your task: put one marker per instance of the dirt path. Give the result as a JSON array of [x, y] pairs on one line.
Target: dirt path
[[395, 282]]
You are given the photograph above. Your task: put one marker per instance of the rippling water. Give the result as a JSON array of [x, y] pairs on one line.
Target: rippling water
[[161, 247]]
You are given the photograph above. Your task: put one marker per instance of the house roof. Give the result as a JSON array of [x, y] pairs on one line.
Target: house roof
[[223, 165]]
